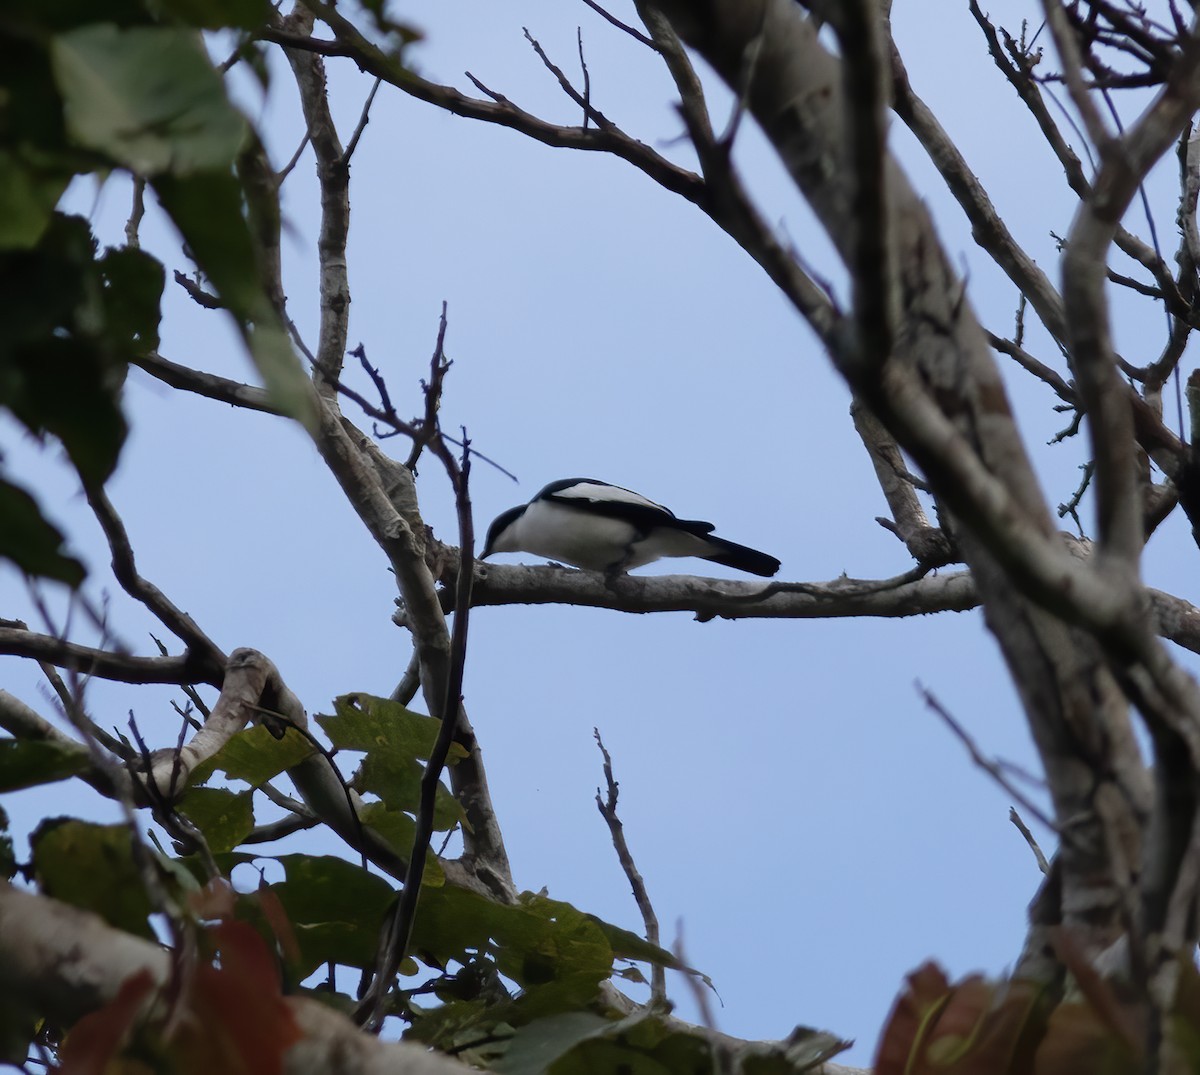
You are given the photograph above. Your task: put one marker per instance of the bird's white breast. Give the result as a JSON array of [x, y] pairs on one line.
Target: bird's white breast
[[580, 538]]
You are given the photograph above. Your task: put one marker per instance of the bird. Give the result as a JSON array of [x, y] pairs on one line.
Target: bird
[[600, 527]]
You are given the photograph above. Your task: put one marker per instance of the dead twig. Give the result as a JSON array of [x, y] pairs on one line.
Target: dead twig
[[608, 810]]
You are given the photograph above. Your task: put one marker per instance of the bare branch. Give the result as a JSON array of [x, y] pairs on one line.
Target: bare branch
[[992, 768], [397, 932], [172, 617], [608, 810], [68, 962], [121, 667], [1023, 829], [632, 31]]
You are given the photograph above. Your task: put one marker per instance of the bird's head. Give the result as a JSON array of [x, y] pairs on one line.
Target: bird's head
[[500, 537]]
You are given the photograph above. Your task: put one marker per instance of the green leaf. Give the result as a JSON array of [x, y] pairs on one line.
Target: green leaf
[[27, 200], [207, 209], [255, 755], [133, 284], [536, 1046], [536, 942], [30, 542], [8, 855], [66, 14], [147, 98], [26, 764], [335, 908], [91, 866], [63, 358], [397, 742], [223, 816], [398, 829], [364, 722], [628, 945], [219, 14]]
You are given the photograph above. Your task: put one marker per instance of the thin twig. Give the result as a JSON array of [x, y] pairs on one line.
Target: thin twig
[[632, 31], [198, 294], [1023, 829], [362, 122], [124, 568], [136, 213], [722, 1062], [587, 78], [397, 931], [599, 118], [992, 768], [608, 810], [286, 170]]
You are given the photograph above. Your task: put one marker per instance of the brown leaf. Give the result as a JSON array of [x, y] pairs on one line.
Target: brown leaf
[[96, 1039]]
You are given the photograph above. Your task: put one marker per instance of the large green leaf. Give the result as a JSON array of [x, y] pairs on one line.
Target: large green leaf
[[147, 98], [535, 942], [30, 542], [647, 1043], [397, 742], [255, 755], [25, 764], [223, 816], [37, 16], [72, 323], [219, 14], [207, 208], [132, 283], [92, 866], [335, 908], [8, 856], [28, 196], [398, 829]]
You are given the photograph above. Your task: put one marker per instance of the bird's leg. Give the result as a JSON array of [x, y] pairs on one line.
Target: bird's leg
[[618, 568]]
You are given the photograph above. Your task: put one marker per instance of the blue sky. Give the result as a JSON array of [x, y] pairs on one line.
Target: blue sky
[[788, 797]]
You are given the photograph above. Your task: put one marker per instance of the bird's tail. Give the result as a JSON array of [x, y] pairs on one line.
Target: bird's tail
[[744, 558]]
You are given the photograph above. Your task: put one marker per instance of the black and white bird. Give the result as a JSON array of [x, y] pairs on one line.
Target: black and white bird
[[601, 527]]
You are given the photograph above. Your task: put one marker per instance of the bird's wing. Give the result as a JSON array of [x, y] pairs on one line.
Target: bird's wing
[[615, 502]]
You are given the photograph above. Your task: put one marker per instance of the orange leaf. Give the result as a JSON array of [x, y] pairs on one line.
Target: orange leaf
[[96, 1039], [912, 1015], [239, 1022]]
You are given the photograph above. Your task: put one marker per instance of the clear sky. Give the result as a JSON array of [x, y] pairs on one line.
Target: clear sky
[[787, 795]]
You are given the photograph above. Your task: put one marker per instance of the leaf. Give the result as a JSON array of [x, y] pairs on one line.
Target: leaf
[[91, 866], [397, 742], [8, 855], [365, 722], [536, 942], [30, 542], [241, 1024], [804, 1049], [536, 1046], [27, 199], [26, 764], [94, 1042], [223, 816], [62, 360], [147, 98], [133, 285], [219, 14], [336, 909], [914, 1013], [207, 209], [628, 945], [255, 755], [65, 14], [398, 829]]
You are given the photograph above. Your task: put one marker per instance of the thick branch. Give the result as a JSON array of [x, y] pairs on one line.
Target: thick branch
[[67, 962], [105, 664]]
